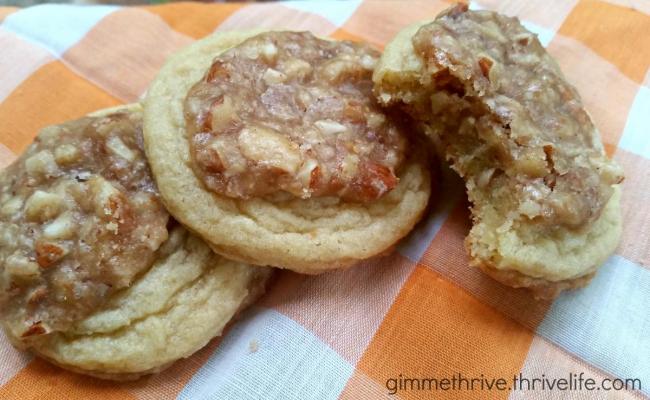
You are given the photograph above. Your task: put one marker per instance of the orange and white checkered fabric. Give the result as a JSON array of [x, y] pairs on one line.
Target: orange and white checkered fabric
[[419, 313]]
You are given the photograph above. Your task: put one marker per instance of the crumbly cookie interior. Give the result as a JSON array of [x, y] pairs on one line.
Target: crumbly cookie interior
[[536, 173]]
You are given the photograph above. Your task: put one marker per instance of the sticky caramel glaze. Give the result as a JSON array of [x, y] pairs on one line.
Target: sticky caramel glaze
[[288, 112], [80, 217]]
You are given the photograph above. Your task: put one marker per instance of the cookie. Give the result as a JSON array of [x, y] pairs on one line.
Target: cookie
[[271, 148], [94, 274], [545, 197]]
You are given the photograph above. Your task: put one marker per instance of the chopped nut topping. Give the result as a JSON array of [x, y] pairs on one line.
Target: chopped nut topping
[[118, 148], [80, 217], [41, 164], [267, 147], [48, 253], [20, 266], [485, 64], [42, 206], [330, 127], [286, 111], [501, 102], [11, 206], [66, 154], [36, 328], [61, 228], [272, 76]]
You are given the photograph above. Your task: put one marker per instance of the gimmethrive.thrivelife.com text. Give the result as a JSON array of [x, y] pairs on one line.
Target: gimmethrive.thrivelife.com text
[[574, 382]]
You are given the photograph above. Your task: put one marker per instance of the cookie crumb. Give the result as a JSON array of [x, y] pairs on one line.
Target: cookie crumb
[[253, 346]]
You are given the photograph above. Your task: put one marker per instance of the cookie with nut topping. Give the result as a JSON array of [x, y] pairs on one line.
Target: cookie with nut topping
[[271, 146], [545, 197], [84, 238]]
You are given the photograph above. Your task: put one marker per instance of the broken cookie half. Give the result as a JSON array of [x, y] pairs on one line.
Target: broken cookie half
[[545, 197]]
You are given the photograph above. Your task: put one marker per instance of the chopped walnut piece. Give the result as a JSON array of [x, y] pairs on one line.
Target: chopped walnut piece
[[228, 155], [11, 206], [42, 206], [106, 197], [116, 146], [286, 111], [272, 76], [67, 154], [485, 64], [330, 127], [61, 228], [295, 68], [37, 295], [223, 114], [17, 265], [48, 253], [41, 164], [272, 148]]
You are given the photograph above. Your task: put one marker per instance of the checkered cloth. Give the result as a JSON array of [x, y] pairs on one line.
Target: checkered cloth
[[420, 312]]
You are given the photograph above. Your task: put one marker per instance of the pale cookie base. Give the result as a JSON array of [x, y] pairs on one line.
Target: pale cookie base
[[521, 256], [547, 263], [132, 107], [540, 288], [171, 311], [309, 236], [398, 74]]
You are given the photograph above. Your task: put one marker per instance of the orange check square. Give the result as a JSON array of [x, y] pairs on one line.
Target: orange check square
[[436, 330], [617, 33], [192, 19], [51, 95]]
